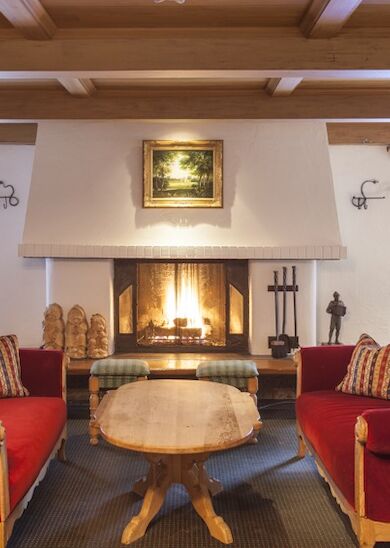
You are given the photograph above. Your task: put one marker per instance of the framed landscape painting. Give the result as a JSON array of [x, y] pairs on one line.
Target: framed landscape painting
[[183, 174]]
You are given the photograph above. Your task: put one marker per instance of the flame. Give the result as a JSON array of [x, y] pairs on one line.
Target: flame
[[185, 302]]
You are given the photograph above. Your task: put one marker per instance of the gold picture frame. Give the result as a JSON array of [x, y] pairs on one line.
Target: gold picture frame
[[183, 174]]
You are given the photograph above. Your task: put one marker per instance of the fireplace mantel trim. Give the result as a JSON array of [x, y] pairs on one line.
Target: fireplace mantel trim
[[319, 252]]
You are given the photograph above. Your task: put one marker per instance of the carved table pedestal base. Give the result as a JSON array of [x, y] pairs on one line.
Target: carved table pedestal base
[[166, 470]]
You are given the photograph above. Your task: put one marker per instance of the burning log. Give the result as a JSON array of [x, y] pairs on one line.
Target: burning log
[[190, 332]]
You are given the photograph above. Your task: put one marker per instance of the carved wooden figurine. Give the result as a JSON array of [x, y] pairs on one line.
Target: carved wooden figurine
[[53, 328], [76, 333], [97, 337]]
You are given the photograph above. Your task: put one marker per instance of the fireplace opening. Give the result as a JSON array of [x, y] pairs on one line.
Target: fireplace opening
[[181, 306]]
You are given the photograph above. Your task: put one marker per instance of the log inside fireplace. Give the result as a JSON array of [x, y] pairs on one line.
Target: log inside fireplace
[[181, 305]]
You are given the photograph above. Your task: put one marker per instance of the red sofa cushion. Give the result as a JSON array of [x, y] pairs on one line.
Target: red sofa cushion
[[32, 427], [42, 371], [327, 419], [378, 440], [324, 366]]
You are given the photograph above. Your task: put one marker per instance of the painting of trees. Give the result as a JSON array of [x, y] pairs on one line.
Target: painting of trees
[[183, 173], [161, 169], [200, 164]]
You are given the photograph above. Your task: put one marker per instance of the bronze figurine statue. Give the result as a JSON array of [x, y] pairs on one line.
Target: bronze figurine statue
[[337, 309]]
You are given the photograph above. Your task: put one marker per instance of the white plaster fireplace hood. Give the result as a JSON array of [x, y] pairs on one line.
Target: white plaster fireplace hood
[[86, 193]]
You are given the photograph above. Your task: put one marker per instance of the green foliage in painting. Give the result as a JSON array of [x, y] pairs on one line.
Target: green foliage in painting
[[183, 173]]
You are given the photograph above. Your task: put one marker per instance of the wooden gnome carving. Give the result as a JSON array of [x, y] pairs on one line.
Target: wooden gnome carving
[[97, 337], [76, 333], [53, 328]]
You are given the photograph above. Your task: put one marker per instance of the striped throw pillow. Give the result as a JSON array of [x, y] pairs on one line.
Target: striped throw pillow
[[368, 372], [10, 373]]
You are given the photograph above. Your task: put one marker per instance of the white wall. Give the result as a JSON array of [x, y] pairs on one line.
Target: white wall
[[22, 281], [363, 279], [86, 282], [89, 175]]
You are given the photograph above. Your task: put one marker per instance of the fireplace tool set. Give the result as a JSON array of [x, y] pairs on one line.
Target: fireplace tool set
[[282, 343]]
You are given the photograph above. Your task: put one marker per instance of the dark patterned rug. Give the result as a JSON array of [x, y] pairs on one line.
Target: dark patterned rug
[[270, 499]]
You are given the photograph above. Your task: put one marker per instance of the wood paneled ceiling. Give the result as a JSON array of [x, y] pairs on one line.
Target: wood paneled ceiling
[[327, 59]]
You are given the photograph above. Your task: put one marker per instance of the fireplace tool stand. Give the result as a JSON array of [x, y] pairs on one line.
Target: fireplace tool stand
[[282, 343]]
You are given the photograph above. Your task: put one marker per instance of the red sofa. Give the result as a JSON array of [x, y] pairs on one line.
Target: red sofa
[[349, 437], [32, 432]]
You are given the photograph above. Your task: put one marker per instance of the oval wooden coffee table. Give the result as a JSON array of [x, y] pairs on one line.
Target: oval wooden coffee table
[[176, 424]]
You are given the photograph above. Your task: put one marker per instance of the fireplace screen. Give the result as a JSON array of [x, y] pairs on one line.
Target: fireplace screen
[[181, 304], [174, 305]]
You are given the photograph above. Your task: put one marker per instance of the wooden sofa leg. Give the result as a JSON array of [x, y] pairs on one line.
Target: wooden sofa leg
[[301, 447], [3, 535], [93, 405], [365, 533], [252, 388], [61, 454]]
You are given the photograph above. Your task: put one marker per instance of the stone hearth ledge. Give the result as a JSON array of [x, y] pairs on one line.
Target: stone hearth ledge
[[320, 252]]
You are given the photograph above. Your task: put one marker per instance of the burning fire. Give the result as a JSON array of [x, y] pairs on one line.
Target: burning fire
[[183, 302]]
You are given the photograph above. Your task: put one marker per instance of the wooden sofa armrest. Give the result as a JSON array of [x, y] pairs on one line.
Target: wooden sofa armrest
[[321, 367], [4, 486]]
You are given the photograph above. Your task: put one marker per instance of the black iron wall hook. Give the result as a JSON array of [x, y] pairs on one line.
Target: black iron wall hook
[[361, 201], [7, 193]]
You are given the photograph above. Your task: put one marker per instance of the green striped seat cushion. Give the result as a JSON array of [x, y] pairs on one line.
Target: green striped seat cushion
[[239, 382], [123, 367], [227, 368], [114, 381]]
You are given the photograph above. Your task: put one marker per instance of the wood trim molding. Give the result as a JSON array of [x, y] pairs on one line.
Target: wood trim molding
[[309, 252], [78, 87], [361, 433], [30, 17], [298, 364], [18, 134], [281, 87], [325, 18], [4, 482], [359, 133]]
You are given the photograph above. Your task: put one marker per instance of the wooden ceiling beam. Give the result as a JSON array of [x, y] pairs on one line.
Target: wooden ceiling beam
[[197, 49], [30, 17], [326, 18], [51, 105], [358, 133], [281, 87], [18, 134], [78, 87]]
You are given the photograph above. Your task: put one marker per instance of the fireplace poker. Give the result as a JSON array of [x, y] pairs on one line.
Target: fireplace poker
[[284, 337], [276, 282], [284, 299], [294, 284], [278, 347]]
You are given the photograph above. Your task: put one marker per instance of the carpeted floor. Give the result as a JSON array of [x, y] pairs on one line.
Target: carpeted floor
[[270, 499]]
